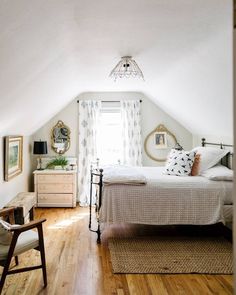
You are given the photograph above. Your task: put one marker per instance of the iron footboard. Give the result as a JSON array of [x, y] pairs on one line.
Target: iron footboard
[[96, 182]]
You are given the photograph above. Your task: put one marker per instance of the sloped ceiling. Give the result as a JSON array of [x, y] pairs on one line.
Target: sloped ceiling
[[52, 50]]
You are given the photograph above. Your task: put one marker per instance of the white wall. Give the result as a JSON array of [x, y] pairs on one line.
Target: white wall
[[69, 116], [152, 116], [183, 47], [21, 182], [197, 89], [217, 128]]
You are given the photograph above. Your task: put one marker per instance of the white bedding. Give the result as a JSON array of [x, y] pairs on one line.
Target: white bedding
[[123, 175], [166, 200]]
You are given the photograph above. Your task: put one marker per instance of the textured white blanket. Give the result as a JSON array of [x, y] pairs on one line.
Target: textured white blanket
[[165, 200], [123, 175]]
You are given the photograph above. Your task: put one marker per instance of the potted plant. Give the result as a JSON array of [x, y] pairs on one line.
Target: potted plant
[[57, 163]]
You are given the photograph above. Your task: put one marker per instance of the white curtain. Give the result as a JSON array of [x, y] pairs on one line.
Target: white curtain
[[131, 132], [89, 116]]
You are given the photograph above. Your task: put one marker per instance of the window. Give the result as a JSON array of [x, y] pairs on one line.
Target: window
[[110, 137]]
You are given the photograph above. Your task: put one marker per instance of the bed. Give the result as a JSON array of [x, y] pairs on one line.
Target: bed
[[149, 197]]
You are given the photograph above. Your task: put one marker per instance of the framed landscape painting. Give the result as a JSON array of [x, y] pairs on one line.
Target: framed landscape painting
[[13, 152]]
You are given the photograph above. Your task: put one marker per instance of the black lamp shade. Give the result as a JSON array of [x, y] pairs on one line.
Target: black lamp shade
[[40, 148]]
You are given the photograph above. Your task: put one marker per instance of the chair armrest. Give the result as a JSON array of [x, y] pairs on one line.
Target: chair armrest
[[28, 226], [6, 211]]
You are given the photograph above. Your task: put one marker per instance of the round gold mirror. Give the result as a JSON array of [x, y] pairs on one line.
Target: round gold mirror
[[60, 138], [158, 143]]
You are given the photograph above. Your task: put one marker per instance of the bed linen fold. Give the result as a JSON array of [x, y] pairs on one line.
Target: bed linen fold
[[123, 175]]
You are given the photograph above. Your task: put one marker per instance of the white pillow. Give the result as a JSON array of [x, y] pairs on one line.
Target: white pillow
[[210, 156], [179, 163], [219, 172]]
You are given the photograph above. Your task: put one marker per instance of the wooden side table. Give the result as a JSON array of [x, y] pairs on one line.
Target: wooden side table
[[24, 204]]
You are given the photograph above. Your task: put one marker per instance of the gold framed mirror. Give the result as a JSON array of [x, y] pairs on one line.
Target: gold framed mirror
[[60, 138], [158, 143]]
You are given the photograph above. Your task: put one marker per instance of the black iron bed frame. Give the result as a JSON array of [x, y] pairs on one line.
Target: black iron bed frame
[[97, 180]]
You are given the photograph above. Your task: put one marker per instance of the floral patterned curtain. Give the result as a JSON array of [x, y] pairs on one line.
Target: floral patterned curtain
[[131, 132], [89, 116]]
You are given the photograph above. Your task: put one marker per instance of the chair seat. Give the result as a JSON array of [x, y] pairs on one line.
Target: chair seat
[[26, 241]]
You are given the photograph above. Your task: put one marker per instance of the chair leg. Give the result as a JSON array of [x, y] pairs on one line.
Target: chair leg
[[16, 260], [42, 254], [8, 260], [4, 274]]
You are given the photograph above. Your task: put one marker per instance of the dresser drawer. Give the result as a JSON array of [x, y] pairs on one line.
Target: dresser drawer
[[55, 200], [55, 188], [55, 178]]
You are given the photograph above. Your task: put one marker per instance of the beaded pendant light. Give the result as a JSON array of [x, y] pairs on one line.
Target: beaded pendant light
[[126, 68]]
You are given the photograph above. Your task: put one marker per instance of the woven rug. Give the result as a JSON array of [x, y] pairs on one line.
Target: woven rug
[[171, 255]]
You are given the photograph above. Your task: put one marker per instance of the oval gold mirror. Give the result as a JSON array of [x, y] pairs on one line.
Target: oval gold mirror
[[158, 143], [60, 138]]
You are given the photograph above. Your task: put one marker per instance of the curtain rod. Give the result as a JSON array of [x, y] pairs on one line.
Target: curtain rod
[[111, 101]]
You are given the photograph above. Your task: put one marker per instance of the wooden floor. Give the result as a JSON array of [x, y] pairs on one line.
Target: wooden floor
[[77, 265]]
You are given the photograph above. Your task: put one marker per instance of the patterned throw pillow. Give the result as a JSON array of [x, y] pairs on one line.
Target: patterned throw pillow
[[179, 163], [5, 233]]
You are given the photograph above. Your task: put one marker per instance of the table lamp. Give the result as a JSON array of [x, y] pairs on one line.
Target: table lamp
[[40, 148]]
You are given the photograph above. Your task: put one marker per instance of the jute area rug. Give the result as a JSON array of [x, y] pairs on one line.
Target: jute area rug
[[171, 255]]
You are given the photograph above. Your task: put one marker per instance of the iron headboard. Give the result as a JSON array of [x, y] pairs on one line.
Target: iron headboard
[[228, 159]]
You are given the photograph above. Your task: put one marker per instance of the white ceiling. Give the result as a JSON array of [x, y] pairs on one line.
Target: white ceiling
[[52, 50]]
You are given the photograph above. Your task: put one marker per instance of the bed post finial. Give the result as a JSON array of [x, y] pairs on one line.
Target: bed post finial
[[203, 141]]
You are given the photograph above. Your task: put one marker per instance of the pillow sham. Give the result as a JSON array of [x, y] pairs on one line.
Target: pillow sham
[[210, 156], [219, 172], [179, 163]]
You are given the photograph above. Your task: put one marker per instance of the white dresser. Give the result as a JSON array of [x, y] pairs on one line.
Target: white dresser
[[55, 188]]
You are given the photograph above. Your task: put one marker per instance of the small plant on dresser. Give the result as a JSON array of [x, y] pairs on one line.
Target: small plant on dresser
[[57, 163]]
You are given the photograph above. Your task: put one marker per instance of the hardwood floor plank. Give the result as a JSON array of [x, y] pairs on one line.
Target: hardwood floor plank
[[226, 282], [76, 265], [156, 285], [215, 286]]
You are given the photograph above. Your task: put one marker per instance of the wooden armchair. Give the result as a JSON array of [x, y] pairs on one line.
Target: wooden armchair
[[23, 239]]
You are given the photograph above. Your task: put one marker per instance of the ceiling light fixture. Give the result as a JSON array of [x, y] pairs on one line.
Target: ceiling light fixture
[[126, 67]]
